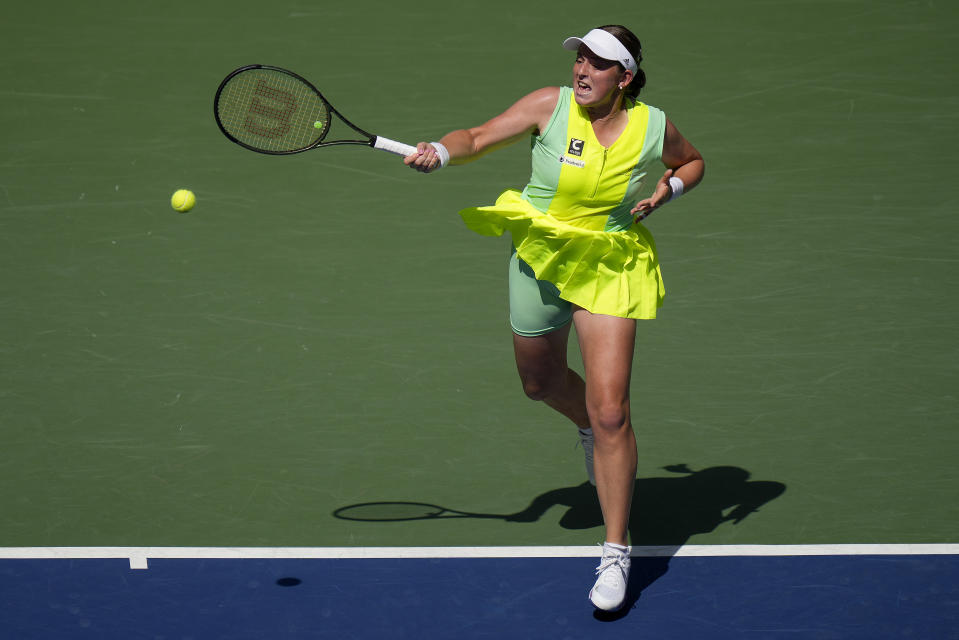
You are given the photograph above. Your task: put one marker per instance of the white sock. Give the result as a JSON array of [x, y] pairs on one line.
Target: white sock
[[618, 547]]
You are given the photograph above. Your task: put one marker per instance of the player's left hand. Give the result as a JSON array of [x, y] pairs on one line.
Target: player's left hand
[[661, 195]]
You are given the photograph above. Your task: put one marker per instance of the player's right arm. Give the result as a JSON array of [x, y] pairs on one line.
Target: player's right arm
[[528, 114]]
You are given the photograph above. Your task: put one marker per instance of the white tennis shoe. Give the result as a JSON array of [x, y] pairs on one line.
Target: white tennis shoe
[[586, 439], [609, 592]]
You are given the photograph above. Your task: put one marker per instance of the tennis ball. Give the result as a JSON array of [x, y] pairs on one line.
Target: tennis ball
[[318, 124], [183, 200]]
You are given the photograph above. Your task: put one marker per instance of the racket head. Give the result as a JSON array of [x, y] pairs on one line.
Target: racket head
[[392, 512], [271, 110]]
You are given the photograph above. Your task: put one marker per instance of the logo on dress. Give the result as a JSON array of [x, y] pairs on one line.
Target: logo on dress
[[575, 147], [570, 161]]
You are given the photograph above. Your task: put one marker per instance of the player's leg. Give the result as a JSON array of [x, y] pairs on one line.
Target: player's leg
[[607, 346], [546, 376], [541, 323]]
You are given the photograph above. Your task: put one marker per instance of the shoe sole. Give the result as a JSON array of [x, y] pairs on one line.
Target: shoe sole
[[612, 609]]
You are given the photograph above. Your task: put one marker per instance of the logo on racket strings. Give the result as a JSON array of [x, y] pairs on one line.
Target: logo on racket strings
[[270, 105]]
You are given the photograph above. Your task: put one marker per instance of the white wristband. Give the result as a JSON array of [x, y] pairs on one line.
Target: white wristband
[[443, 153], [677, 188]]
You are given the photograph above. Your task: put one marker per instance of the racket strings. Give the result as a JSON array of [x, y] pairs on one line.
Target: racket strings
[[272, 111]]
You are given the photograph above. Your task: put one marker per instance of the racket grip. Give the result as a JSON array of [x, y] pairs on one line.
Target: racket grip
[[400, 149]]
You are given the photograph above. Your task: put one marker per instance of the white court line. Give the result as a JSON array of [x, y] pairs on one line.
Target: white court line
[[139, 556]]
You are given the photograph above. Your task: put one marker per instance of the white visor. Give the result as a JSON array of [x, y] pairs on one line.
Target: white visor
[[605, 45]]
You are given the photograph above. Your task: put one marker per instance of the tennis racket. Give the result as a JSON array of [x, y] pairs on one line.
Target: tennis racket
[[275, 111]]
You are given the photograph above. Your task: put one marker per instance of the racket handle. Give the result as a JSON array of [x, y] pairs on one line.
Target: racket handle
[[400, 149]]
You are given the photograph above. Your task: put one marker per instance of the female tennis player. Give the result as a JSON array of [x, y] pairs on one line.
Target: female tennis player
[[580, 254]]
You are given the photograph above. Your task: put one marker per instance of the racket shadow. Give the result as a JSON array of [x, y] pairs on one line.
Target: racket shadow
[[404, 511], [667, 511]]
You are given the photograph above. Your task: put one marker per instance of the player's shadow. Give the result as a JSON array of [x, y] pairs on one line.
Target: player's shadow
[[666, 512]]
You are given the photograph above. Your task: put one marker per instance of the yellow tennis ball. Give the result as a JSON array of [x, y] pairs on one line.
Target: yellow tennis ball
[[183, 200]]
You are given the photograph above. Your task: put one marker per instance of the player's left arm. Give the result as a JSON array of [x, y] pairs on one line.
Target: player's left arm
[[683, 161]]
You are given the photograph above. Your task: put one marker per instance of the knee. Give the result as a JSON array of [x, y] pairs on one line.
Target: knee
[[609, 417], [540, 387]]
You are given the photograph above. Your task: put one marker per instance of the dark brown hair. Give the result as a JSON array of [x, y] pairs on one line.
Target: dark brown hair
[[635, 48]]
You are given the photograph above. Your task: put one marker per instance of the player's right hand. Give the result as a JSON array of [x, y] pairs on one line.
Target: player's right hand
[[424, 160]]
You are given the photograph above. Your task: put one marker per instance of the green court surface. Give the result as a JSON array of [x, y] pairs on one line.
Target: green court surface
[[322, 330]]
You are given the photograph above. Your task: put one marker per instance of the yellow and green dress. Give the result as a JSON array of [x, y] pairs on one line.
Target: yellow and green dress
[[572, 223]]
